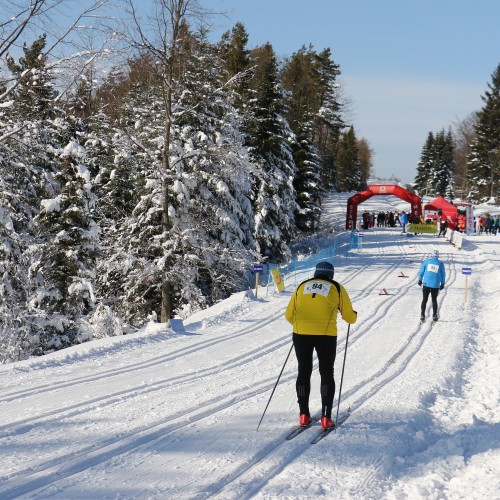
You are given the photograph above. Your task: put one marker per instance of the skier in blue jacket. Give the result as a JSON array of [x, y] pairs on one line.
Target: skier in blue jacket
[[432, 275], [404, 220]]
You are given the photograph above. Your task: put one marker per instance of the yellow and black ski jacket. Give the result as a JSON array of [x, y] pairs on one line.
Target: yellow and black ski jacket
[[314, 306]]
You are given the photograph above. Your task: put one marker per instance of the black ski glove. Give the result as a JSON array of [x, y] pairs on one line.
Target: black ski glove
[[419, 282], [441, 287]]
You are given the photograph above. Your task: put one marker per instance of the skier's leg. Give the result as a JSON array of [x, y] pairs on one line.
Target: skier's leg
[[434, 294], [304, 348], [425, 296], [326, 349]]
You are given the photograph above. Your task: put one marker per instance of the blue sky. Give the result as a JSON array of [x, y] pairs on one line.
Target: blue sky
[[408, 66]]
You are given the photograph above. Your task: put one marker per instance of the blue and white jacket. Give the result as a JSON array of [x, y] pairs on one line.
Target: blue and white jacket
[[432, 273]]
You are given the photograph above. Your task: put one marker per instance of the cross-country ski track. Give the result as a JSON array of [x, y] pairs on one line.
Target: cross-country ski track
[[163, 415]]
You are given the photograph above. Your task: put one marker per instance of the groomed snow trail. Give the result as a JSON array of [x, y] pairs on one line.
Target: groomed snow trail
[[160, 414]]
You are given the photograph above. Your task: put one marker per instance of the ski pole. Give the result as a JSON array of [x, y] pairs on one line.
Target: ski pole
[[275, 385], [342, 376]]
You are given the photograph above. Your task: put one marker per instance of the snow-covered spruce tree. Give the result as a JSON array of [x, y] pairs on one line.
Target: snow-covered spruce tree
[[365, 155], [118, 188], [436, 166], [484, 160], [114, 173], [130, 193], [446, 166], [68, 245], [165, 40], [14, 323], [299, 79], [315, 115], [26, 156], [422, 184], [348, 164], [268, 138], [17, 208], [329, 123], [213, 214], [203, 249], [236, 55], [463, 136]]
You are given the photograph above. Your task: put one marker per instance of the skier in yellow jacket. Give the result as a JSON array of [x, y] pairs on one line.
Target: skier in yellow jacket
[[312, 311]]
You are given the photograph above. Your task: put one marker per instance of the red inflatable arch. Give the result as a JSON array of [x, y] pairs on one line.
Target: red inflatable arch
[[381, 189]]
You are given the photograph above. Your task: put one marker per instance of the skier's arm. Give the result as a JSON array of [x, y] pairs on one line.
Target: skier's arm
[[421, 272], [348, 313], [290, 310], [443, 274]]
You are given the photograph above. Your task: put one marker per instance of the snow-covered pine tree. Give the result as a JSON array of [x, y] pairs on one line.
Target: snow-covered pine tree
[[26, 157], [463, 136], [235, 53], [328, 121], [442, 165], [268, 138], [15, 339], [212, 214], [365, 155], [436, 166], [130, 191], [67, 250], [422, 182], [60, 235], [348, 164], [299, 79], [208, 244], [484, 160], [114, 171]]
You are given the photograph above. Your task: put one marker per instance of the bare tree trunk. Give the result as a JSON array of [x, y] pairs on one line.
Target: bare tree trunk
[[176, 9], [166, 303], [166, 306]]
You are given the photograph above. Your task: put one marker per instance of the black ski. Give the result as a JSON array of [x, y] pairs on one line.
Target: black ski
[[300, 429], [324, 432]]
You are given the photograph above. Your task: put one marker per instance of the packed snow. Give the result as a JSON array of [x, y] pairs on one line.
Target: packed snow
[[172, 413]]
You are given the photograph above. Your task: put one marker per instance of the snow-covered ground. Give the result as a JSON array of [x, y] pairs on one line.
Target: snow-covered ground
[[173, 415]]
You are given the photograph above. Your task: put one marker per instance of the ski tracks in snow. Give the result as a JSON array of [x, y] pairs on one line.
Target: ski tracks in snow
[[218, 460]]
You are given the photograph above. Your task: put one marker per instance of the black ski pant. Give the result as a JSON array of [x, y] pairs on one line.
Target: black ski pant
[[326, 350], [434, 294]]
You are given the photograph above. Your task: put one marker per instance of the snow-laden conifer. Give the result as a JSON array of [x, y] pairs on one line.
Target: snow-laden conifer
[[484, 159]]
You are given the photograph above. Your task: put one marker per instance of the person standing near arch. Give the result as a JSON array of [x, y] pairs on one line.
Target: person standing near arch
[[404, 220]]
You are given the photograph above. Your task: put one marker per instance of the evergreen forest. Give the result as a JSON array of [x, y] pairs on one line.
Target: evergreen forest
[[144, 167]]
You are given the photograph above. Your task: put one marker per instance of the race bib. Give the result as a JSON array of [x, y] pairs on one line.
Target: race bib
[[319, 287], [433, 268]]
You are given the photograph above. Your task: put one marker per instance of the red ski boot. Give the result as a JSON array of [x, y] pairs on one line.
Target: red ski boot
[[327, 422], [304, 420]]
